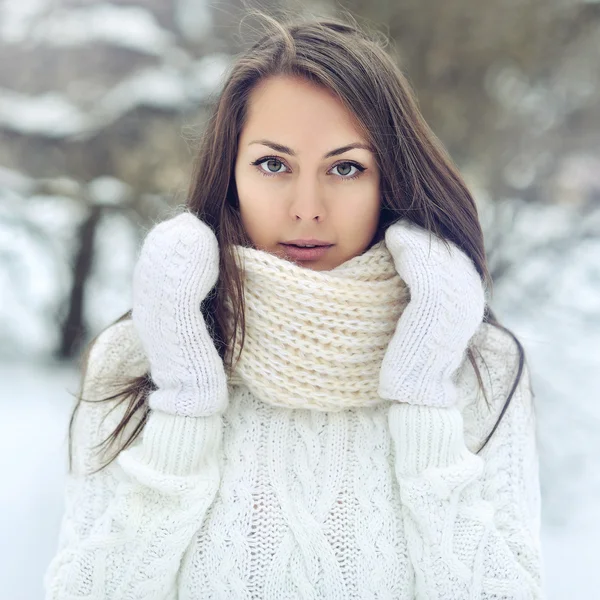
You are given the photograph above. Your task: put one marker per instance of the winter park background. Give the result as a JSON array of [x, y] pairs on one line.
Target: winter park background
[[100, 106]]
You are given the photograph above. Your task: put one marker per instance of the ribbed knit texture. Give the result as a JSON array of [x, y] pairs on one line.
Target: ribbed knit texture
[[446, 309], [177, 267], [189, 440], [316, 339], [427, 437], [386, 501]]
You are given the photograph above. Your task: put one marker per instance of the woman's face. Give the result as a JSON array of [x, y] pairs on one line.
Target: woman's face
[[296, 177]]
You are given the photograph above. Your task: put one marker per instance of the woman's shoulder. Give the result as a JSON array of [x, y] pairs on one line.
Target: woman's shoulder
[[496, 355]]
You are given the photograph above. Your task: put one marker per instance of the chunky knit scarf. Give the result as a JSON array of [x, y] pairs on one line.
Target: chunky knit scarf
[[316, 339]]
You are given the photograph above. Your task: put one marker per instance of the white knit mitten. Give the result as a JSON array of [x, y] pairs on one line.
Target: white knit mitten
[[177, 267], [447, 302]]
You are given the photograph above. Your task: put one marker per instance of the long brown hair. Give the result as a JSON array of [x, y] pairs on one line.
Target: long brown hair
[[418, 179]]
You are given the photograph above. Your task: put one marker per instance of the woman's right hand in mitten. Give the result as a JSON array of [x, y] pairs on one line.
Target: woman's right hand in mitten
[[177, 267]]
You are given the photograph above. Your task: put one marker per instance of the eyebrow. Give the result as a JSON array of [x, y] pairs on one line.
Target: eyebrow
[[286, 150]]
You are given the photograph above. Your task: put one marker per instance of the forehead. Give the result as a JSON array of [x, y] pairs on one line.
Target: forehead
[[301, 109]]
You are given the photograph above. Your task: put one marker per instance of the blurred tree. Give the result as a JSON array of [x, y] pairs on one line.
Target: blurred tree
[[92, 90]]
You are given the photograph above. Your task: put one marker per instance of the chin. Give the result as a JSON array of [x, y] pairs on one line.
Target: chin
[[316, 267], [322, 265]]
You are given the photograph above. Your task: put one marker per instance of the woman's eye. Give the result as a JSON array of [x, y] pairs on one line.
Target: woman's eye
[[344, 169], [272, 165]]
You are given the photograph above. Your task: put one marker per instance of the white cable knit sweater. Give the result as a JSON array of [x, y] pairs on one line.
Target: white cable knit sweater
[[297, 503]]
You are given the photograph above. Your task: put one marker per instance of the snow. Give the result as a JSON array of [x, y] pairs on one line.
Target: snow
[[571, 555], [107, 293], [51, 114], [108, 190], [176, 83], [17, 17], [194, 19], [16, 183], [36, 246], [30, 283], [580, 172], [206, 75], [35, 405], [127, 26], [551, 301], [163, 87], [160, 87]]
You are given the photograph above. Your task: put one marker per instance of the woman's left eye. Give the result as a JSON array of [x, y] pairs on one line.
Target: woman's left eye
[[344, 172], [349, 165]]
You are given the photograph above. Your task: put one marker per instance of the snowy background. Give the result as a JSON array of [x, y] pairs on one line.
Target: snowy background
[[100, 104]]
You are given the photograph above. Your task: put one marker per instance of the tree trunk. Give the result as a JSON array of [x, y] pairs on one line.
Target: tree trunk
[[73, 328]]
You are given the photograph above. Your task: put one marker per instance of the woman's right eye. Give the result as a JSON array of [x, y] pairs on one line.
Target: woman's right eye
[[271, 163]]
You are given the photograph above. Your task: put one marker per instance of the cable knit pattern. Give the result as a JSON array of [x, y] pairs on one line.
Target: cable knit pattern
[[126, 528], [167, 481], [372, 502], [316, 339], [460, 509]]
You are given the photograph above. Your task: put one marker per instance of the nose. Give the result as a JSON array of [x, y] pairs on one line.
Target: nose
[[307, 203]]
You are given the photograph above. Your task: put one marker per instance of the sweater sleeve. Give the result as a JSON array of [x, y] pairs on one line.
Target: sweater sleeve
[[472, 521], [126, 528]]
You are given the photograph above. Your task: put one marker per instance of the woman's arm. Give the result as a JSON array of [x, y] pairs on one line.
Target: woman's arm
[[134, 546], [471, 521], [126, 528]]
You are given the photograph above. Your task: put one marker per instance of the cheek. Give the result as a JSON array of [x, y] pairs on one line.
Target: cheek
[[250, 200], [259, 217], [360, 213], [372, 208], [252, 212]]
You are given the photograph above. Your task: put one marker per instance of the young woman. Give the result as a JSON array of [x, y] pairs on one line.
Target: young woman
[[347, 421]]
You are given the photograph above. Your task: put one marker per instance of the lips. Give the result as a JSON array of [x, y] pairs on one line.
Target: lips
[[298, 253]]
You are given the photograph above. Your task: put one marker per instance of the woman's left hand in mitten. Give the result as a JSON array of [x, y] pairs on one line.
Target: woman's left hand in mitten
[[445, 310]]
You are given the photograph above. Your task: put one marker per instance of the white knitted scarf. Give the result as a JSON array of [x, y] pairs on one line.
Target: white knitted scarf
[[316, 339]]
